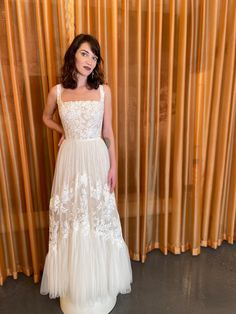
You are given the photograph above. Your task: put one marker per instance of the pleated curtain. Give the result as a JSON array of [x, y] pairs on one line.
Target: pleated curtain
[[171, 68]]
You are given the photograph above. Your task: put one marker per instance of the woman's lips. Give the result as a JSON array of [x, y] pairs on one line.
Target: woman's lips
[[87, 68]]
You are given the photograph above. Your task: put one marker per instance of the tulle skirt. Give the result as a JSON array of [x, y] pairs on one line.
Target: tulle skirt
[[87, 259]]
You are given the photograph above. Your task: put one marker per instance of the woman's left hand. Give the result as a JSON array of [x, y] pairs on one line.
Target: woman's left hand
[[112, 179]]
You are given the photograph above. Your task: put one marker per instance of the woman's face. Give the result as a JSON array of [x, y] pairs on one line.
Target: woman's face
[[85, 60]]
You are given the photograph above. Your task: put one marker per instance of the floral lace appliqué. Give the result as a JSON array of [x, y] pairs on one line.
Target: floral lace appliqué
[[81, 119], [86, 207]]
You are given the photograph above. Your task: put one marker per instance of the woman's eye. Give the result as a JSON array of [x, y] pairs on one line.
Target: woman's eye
[[95, 59], [83, 53]]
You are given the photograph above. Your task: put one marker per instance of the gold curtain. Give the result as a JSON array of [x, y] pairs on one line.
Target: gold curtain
[[171, 68]]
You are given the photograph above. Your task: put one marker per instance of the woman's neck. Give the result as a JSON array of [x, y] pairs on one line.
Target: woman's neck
[[81, 81]]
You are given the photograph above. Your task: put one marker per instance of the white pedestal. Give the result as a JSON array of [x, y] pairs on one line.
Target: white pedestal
[[68, 307]]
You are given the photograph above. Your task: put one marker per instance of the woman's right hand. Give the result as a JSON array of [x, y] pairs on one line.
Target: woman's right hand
[[61, 140]]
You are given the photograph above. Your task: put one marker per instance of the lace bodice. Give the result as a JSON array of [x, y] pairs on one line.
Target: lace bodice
[[81, 119]]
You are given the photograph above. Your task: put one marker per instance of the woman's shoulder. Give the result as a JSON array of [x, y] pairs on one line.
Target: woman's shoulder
[[107, 89], [54, 89], [53, 92]]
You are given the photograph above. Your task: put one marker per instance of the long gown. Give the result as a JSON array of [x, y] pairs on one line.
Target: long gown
[[87, 258]]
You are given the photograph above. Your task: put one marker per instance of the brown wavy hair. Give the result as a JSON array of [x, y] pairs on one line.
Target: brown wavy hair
[[69, 71]]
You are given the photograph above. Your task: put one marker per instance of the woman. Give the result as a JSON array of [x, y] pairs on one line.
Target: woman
[[88, 263]]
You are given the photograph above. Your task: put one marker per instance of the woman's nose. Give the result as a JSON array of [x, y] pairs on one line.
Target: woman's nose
[[89, 61]]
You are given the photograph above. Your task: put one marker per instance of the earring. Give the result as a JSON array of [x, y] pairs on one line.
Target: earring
[[92, 75]]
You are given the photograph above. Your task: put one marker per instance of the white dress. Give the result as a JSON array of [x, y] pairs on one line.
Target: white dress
[[87, 258]]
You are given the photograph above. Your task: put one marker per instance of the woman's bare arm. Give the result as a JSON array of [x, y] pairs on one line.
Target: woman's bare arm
[[108, 137], [49, 111]]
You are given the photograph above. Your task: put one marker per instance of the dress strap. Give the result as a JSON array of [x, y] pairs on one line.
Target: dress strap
[[58, 93], [102, 92]]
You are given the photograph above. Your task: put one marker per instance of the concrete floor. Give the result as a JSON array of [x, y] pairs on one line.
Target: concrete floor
[[180, 284]]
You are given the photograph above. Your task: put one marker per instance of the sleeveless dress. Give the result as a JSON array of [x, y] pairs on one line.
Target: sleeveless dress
[[87, 258]]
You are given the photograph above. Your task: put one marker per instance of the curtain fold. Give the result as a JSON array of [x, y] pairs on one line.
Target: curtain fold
[[171, 68]]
